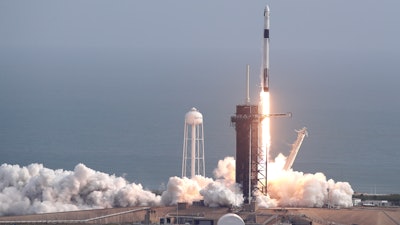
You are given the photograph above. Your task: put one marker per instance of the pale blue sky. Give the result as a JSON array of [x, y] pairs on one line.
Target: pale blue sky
[[311, 24]]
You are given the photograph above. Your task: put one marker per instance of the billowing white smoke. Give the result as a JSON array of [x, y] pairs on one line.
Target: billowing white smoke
[[309, 190], [221, 192], [224, 191], [293, 188], [35, 189], [184, 189]]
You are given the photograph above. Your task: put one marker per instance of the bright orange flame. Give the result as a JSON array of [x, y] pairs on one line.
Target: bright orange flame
[[265, 140]]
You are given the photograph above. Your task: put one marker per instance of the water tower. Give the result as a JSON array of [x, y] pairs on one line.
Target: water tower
[[193, 145]]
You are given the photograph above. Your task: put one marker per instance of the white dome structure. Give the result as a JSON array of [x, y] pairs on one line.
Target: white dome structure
[[230, 219], [194, 117], [193, 144]]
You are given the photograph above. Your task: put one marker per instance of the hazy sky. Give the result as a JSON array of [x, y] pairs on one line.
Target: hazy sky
[[296, 25], [304, 34], [334, 64]]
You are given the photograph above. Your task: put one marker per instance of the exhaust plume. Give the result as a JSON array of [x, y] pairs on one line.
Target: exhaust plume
[[36, 189], [220, 192], [288, 188]]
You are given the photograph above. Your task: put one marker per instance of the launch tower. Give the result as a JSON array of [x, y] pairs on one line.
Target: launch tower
[[246, 121]]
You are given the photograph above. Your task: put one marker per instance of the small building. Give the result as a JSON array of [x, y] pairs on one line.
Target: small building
[[356, 201], [376, 203]]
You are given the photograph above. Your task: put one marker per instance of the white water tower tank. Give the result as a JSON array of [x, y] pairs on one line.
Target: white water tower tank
[[193, 144], [230, 219], [194, 117]]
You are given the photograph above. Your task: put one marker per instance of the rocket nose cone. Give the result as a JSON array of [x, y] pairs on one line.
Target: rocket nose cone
[[266, 11]]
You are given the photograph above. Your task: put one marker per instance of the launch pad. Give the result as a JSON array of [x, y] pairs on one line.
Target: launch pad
[[210, 216], [247, 121], [251, 154]]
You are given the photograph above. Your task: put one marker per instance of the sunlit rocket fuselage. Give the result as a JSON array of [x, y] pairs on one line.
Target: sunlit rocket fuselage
[[265, 79]]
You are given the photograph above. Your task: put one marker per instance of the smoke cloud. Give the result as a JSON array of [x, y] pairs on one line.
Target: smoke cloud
[[36, 189], [220, 192], [297, 189]]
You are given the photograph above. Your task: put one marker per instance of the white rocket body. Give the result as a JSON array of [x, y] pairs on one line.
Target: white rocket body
[[265, 80]]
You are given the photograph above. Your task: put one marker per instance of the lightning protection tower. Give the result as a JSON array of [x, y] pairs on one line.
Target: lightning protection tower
[[193, 144]]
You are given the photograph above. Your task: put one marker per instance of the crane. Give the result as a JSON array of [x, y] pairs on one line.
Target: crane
[[295, 148]]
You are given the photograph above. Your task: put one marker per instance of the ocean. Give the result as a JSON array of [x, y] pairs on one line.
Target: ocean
[[122, 112]]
